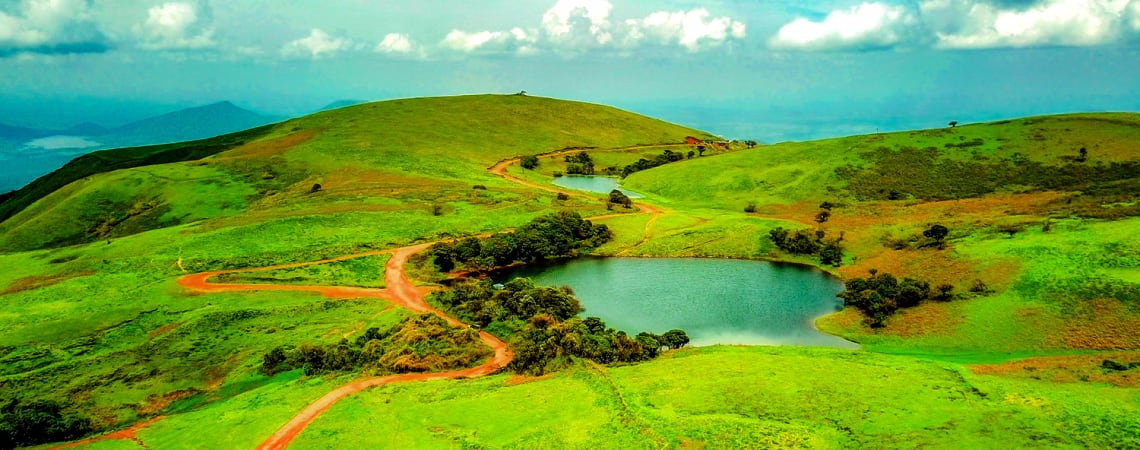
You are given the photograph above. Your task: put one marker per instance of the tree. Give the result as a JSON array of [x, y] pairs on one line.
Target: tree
[[691, 154], [701, 150], [823, 216], [750, 207], [831, 254], [529, 162], [619, 197], [938, 233], [953, 123], [315, 188], [1084, 155], [674, 339]]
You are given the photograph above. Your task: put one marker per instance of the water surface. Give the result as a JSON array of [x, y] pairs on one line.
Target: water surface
[[593, 184], [716, 301]]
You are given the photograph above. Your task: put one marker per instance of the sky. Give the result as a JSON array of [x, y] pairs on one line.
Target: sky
[[766, 69]]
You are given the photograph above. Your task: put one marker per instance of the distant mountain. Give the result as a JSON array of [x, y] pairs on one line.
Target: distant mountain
[[340, 104], [187, 124], [13, 133], [85, 129]]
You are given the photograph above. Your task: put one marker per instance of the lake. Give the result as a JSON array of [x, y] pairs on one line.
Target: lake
[[592, 184], [716, 301]]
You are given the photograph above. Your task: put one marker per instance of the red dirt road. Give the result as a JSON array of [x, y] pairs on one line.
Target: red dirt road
[[400, 291]]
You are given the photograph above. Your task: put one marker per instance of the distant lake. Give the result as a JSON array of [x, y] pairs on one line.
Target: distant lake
[[604, 185], [61, 142], [716, 301]]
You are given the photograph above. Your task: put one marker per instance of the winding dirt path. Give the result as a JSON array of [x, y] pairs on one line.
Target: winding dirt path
[[400, 291]]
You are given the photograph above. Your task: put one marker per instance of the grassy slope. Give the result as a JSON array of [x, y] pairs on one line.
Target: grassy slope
[[743, 398], [103, 326], [1071, 288]]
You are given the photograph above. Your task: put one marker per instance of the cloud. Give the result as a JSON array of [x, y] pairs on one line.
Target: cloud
[[688, 29], [176, 26], [396, 43], [578, 23], [316, 45], [977, 24], [862, 27], [577, 26], [965, 24], [51, 27]]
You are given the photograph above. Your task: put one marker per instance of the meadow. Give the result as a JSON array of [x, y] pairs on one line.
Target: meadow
[[95, 320]]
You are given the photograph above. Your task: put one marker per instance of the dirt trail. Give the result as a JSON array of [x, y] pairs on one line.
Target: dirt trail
[[125, 435], [400, 291]]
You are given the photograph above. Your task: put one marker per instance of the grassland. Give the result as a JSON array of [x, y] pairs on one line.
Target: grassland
[[93, 317]]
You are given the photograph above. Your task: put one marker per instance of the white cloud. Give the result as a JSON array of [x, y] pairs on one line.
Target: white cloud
[[966, 24], [975, 24], [575, 26], [51, 27], [578, 23], [317, 44], [861, 27], [176, 26], [396, 43], [689, 29]]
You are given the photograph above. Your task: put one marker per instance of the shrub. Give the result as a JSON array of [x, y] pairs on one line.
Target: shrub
[[529, 162], [750, 207]]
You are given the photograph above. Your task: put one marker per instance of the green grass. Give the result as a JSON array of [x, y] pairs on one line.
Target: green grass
[[359, 272], [103, 326], [744, 398]]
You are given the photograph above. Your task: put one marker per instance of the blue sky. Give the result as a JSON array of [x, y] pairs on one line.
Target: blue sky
[[768, 69]]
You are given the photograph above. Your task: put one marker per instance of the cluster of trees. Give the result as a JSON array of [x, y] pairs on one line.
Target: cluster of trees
[[665, 157], [422, 343], [542, 328], [804, 242], [558, 235], [618, 197], [31, 423], [881, 294], [529, 162], [580, 164]]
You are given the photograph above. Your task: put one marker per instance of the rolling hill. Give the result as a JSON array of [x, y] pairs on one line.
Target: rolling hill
[[1039, 255]]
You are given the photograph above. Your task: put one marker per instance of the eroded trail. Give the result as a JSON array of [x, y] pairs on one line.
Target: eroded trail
[[400, 291]]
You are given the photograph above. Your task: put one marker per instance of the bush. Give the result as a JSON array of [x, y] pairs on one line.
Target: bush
[[881, 294], [37, 422], [529, 162], [750, 207], [557, 235]]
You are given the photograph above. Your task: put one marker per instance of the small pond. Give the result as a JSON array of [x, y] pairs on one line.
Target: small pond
[[716, 301], [592, 184]]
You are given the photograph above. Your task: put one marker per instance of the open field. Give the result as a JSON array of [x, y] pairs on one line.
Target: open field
[[95, 320]]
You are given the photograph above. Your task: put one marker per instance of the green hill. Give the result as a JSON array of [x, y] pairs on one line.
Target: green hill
[[355, 153], [1039, 253]]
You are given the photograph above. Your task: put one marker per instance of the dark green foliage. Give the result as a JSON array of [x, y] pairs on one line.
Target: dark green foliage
[[619, 198], [580, 164], [938, 233], [665, 157], [823, 216], [803, 242], [37, 422], [750, 207], [925, 175], [529, 162], [542, 328], [559, 235], [315, 188], [881, 294], [423, 343], [563, 196]]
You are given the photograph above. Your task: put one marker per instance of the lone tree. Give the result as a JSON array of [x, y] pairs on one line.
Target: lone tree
[[315, 188], [953, 123], [1084, 155], [938, 233], [674, 339], [529, 162]]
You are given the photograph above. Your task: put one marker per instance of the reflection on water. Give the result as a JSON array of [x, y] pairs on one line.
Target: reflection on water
[[716, 301]]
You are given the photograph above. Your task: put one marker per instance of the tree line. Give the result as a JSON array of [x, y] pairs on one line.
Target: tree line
[[881, 294], [421, 343], [804, 242], [559, 235], [542, 328], [36, 422]]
